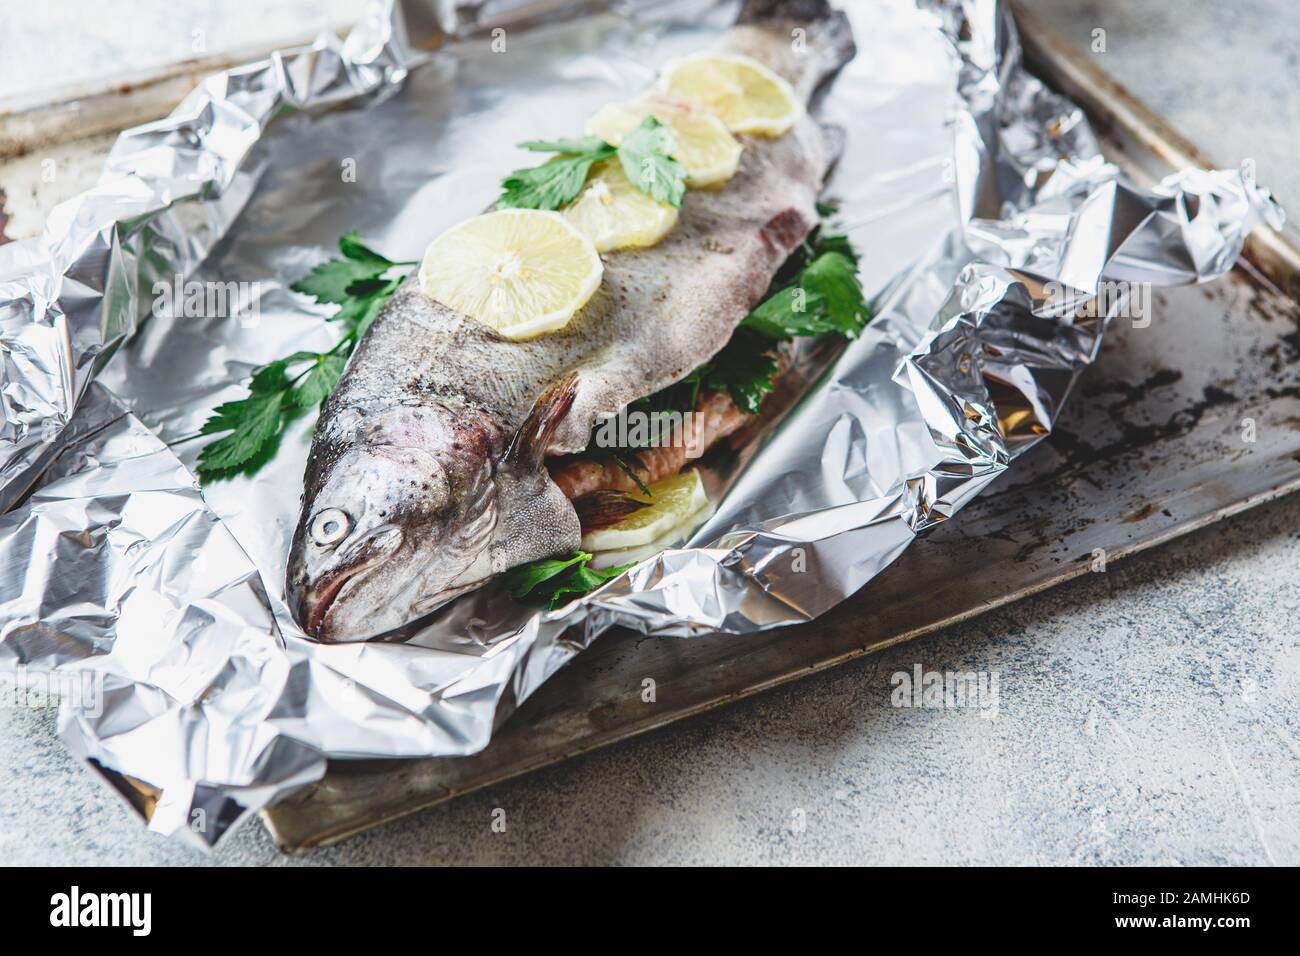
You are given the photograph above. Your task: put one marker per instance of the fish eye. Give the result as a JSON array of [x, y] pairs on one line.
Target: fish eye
[[330, 526]]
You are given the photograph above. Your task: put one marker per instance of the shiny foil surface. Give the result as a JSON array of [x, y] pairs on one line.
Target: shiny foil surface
[[987, 223]]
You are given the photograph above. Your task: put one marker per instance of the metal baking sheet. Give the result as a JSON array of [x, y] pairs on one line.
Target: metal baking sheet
[[1163, 416]]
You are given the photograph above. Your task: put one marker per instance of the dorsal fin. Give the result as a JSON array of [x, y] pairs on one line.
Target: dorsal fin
[[528, 447]]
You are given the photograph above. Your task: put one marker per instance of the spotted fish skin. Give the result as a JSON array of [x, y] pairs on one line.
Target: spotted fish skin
[[417, 446]]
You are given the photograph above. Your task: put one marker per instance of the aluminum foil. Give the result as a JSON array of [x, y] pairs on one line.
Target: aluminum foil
[[988, 225]]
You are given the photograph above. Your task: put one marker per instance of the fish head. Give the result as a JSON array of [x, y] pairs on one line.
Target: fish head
[[398, 514]]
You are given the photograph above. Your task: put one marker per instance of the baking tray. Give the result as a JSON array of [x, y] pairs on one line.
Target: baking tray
[[1153, 446]]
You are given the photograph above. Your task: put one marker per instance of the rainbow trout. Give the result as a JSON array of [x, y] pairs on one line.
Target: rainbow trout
[[427, 472]]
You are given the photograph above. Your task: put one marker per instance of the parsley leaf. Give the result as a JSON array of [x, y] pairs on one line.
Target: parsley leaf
[[820, 244], [646, 155], [319, 381], [340, 281], [556, 182], [556, 581], [744, 369], [361, 310], [329, 281], [791, 312], [833, 278], [351, 246], [587, 144], [582, 580], [357, 284], [252, 422], [519, 581], [826, 298], [270, 377]]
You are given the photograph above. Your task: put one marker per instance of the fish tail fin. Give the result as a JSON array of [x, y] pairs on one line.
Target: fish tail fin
[[528, 447], [600, 509], [807, 11], [816, 26]]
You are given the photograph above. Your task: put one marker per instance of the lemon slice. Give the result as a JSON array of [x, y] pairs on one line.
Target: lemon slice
[[672, 538], [709, 153], [743, 93], [615, 214], [521, 271], [672, 500]]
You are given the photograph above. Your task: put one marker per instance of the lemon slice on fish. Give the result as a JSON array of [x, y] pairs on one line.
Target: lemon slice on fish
[[672, 500], [704, 146], [615, 214], [524, 272], [740, 91]]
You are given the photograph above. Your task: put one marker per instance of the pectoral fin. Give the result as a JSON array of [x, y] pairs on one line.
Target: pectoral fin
[[528, 447], [600, 509]]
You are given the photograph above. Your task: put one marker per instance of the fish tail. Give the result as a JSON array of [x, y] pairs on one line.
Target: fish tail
[[822, 33], [807, 11]]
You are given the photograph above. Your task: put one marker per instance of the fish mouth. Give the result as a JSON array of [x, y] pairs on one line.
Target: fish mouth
[[318, 600], [317, 605], [318, 608]]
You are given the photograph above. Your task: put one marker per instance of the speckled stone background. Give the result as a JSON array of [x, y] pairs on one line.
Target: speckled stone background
[[1150, 714]]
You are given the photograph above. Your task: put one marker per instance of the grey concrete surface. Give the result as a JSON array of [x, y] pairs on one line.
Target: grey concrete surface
[[1145, 715]]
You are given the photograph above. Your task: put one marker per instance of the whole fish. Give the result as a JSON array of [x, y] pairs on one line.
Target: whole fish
[[427, 472]]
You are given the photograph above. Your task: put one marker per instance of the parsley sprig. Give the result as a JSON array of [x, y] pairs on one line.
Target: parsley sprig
[[816, 291], [645, 154], [285, 388], [556, 581]]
